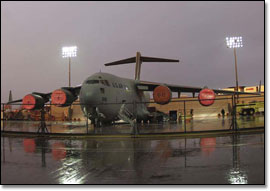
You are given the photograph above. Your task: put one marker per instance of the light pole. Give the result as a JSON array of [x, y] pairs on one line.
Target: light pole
[[69, 52], [235, 42]]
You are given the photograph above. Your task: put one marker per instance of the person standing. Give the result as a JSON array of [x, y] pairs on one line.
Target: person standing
[[223, 112]]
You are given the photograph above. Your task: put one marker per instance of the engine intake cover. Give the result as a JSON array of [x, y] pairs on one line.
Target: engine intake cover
[[33, 101], [62, 98], [206, 97], [162, 95]]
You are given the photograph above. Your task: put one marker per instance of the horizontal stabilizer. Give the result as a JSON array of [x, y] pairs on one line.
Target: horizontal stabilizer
[[142, 59], [152, 59], [125, 61]]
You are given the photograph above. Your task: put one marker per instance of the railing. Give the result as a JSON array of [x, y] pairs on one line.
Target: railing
[[179, 116]]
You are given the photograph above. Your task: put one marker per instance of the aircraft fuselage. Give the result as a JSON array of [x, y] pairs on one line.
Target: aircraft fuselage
[[106, 93]]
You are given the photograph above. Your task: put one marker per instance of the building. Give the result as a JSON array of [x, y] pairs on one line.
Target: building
[[193, 107], [251, 89]]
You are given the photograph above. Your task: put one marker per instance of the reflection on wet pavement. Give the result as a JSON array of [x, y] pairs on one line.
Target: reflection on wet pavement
[[207, 160], [198, 124]]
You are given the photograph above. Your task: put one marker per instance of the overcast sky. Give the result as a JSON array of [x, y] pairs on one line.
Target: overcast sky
[[32, 34]]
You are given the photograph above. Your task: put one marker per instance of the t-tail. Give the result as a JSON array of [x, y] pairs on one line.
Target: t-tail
[[138, 60]]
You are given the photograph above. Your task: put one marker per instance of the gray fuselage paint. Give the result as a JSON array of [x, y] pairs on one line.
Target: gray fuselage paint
[[115, 93]]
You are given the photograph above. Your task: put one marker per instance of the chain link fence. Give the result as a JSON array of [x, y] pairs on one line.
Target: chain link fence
[[179, 116]]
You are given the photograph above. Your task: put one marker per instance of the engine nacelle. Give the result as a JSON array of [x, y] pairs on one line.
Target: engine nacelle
[[33, 101], [162, 95], [62, 98], [206, 97]]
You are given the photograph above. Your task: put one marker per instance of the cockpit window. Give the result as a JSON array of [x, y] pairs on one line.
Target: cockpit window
[[107, 83], [92, 81], [104, 82]]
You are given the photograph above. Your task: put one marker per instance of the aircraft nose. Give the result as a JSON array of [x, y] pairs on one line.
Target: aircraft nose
[[88, 96]]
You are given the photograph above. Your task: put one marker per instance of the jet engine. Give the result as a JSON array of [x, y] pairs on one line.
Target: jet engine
[[206, 97], [162, 95], [33, 101], [62, 97]]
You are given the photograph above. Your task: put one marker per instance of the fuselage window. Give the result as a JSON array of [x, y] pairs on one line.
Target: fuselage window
[[118, 85], [92, 81], [105, 82]]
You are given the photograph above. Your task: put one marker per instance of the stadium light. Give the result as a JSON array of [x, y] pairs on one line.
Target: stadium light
[[69, 52], [235, 42]]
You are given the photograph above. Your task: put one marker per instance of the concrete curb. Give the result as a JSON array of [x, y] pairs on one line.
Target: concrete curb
[[128, 136]]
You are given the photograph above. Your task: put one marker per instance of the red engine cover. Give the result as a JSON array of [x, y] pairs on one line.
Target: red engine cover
[[162, 95], [207, 97], [62, 98], [58, 97], [32, 101]]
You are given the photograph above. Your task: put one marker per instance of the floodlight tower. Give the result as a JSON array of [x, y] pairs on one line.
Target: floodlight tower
[[235, 42], [69, 52]]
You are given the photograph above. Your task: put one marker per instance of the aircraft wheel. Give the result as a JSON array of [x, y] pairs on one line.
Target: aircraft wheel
[[251, 112], [96, 122], [244, 112]]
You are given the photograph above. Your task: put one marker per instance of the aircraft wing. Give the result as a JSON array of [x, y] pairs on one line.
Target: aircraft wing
[[14, 101], [150, 86], [47, 96], [74, 90]]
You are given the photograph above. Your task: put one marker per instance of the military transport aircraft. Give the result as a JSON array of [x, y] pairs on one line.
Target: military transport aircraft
[[105, 97]]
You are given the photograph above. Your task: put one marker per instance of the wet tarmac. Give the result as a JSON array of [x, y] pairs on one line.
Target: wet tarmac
[[197, 124], [234, 159]]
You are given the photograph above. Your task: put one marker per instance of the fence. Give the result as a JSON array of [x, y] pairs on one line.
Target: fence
[[179, 116]]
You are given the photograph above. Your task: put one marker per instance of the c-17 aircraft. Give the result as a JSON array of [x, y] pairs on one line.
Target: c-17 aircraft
[[106, 98]]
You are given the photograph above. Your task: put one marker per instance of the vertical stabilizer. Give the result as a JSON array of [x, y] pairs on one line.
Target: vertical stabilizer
[[138, 66], [8, 106], [10, 96]]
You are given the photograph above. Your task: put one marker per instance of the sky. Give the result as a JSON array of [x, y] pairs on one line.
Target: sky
[[33, 33]]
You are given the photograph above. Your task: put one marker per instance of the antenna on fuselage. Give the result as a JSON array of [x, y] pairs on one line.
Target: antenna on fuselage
[[138, 60]]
